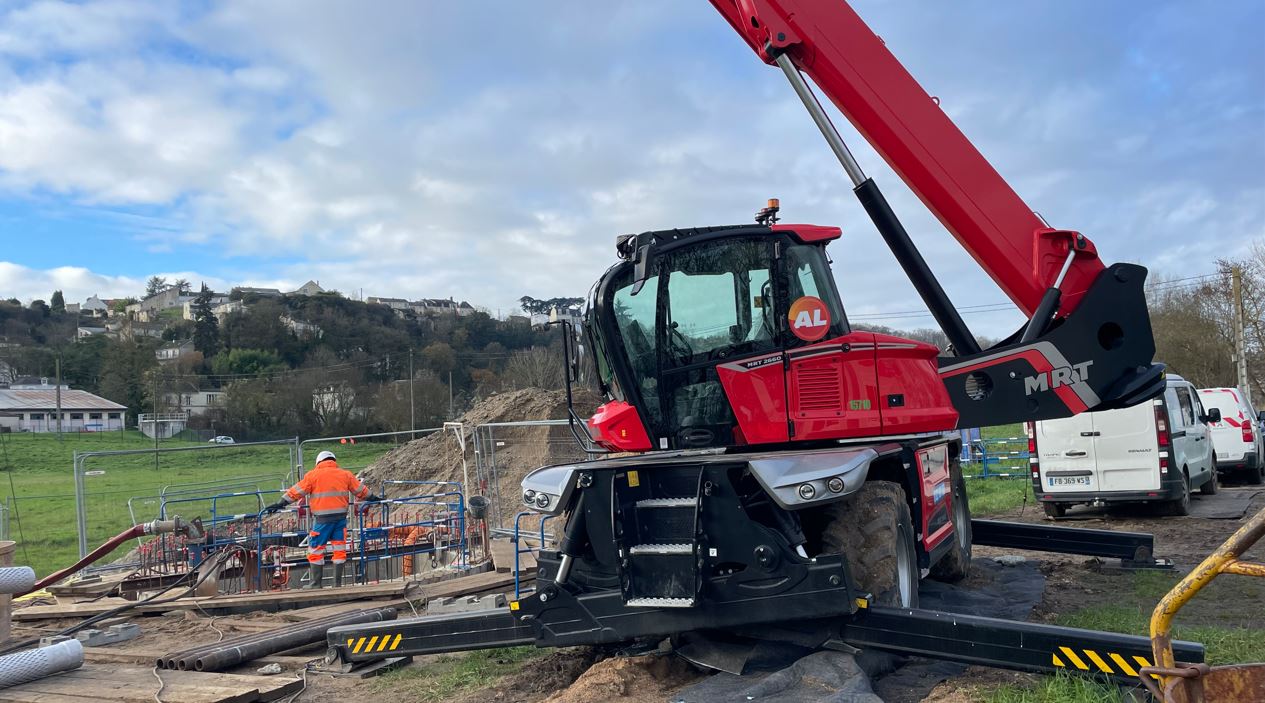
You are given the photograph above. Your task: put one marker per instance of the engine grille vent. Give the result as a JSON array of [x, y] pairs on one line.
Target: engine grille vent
[[819, 388]]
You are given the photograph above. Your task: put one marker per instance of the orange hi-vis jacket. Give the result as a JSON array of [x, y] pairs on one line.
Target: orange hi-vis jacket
[[325, 488]]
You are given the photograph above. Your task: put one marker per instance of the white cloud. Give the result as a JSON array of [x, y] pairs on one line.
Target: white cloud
[[78, 283], [433, 149]]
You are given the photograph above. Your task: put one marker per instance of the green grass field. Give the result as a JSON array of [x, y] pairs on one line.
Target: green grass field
[[989, 496], [39, 472]]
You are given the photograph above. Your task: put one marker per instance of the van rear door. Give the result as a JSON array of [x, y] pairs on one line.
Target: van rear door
[[1127, 449], [1227, 434], [1065, 448]]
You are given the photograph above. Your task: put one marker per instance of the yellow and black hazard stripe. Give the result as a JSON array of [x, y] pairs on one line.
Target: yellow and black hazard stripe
[[1091, 661], [373, 645]]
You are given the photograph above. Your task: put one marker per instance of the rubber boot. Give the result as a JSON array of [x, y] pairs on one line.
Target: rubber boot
[[315, 575], [338, 575]]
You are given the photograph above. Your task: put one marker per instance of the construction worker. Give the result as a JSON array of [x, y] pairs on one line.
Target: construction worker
[[325, 488]]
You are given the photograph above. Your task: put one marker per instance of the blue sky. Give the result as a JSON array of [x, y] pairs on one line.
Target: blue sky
[[426, 149]]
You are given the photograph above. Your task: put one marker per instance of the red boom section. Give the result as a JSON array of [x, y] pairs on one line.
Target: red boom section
[[828, 41]]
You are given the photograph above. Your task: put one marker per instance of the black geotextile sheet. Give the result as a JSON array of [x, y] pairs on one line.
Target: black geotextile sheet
[[788, 674]]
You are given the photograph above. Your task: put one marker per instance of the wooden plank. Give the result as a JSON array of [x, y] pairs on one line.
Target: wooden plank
[[283, 600], [246, 602], [136, 689], [126, 685], [18, 695], [183, 685]]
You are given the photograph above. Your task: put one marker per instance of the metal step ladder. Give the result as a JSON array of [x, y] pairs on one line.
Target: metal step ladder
[[660, 550]]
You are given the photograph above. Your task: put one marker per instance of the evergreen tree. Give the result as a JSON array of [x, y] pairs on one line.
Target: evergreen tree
[[58, 302], [206, 329], [155, 285]]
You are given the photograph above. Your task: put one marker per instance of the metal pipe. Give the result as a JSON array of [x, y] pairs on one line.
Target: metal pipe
[[35, 664], [281, 640], [184, 660], [820, 117]]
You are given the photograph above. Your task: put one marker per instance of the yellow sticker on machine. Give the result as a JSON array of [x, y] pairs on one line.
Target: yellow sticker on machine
[[633, 479]]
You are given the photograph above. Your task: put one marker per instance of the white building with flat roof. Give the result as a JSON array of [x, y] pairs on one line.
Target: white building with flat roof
[[36, 411]]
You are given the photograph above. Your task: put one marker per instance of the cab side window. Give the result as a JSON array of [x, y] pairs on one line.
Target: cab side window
[[1187, 407]]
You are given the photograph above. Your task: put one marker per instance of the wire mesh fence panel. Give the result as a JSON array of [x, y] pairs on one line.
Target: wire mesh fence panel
[[116, 488], [505, 452]]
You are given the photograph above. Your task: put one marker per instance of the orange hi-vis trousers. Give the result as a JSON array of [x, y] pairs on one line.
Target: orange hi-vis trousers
[[331, 534]]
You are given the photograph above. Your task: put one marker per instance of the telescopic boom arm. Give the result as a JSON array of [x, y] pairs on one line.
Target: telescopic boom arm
[[829, 42]]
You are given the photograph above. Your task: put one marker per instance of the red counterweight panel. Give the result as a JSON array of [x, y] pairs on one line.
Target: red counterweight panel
[[911, 394], [833, 389]]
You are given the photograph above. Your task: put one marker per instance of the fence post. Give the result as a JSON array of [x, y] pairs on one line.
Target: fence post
[[81, 513]]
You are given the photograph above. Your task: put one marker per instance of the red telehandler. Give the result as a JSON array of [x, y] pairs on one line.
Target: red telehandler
[[792, 478]]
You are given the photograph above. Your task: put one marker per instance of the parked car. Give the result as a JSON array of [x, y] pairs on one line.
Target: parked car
[[222, 439], [1240, 447], [1153, 452]]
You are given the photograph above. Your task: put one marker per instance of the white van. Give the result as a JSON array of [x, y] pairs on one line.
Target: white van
[[1236, 436], [1153, 452]]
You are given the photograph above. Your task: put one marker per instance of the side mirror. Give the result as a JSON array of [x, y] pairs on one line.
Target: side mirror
[[1214, 415], [1261, 416]]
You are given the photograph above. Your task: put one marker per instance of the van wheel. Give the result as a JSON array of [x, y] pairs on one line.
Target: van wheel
[[1256, 477], [956, 564], [872, 528], [1210, 486], [1181, 506], [1054, 510]]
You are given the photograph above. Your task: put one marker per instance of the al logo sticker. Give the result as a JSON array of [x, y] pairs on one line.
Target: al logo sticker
[[809, 318]]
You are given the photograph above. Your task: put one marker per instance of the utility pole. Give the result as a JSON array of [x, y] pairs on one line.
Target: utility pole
[[412, 407], [59, 437], [1240, 344], [154, 422], [450, 395]]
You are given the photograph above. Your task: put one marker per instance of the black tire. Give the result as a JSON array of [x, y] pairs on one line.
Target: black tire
[[956, 564], [1256, 476], [1212, 485], [873, 530], [1054, 510], [1180, 507]]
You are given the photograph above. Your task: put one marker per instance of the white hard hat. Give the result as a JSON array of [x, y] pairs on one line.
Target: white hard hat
[[323, 456]]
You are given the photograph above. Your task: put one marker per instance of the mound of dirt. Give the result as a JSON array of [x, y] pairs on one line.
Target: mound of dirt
[[628, 679], [506, 454]]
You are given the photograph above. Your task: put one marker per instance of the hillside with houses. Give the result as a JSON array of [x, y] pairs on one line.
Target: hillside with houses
[[263, 362]]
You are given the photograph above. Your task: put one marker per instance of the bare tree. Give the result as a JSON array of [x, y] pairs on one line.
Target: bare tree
[[537, 367]]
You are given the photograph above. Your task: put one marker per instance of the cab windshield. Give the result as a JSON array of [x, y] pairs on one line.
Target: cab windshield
[[705, 304]]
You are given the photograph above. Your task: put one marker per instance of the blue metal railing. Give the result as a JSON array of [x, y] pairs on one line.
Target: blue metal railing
[[998, 457], [520, 550]]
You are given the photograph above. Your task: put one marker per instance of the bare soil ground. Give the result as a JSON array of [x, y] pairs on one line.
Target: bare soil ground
[[1073, 585]]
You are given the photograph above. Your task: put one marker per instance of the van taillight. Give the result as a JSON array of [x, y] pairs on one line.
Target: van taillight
[[1161, 436], [1247, 432], [1031, 429]]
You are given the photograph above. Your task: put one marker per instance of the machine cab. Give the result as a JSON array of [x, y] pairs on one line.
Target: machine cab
[[731, 336]]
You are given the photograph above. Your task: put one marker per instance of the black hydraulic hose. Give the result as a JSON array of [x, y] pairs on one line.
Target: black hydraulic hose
[[203, 575]]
